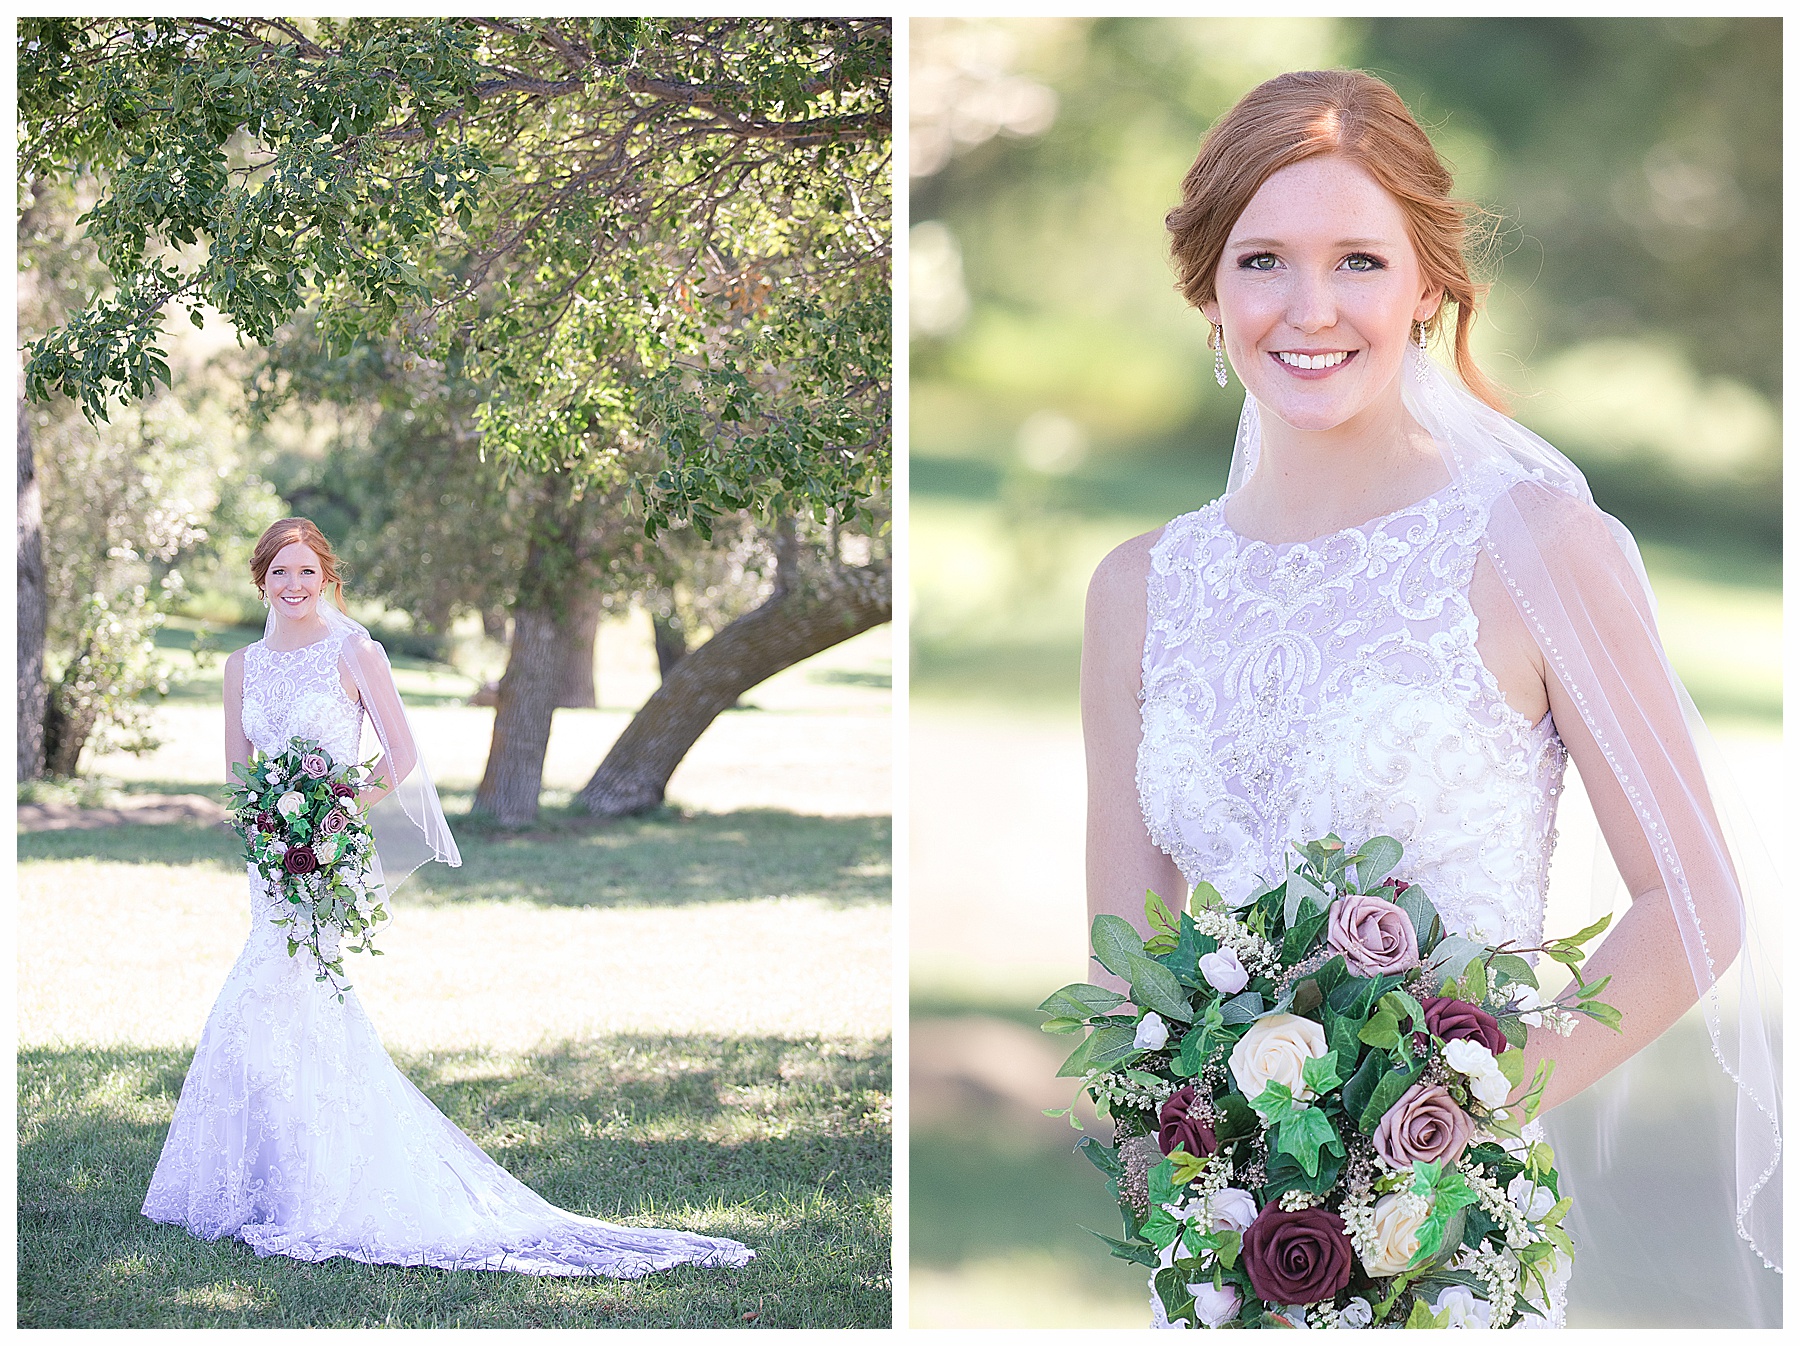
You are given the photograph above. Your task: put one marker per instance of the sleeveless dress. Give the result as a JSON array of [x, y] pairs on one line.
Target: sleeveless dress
[[1292, 690], [297, 1134]]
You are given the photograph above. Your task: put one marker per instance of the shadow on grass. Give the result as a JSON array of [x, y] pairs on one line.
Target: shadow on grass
[[782, 1143], [664, 859]]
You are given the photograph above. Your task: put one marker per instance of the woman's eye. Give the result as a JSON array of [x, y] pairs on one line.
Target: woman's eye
[[1361, 261], [1258, 261]]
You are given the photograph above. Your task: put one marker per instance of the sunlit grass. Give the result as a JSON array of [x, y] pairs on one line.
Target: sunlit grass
[[713, 1134]]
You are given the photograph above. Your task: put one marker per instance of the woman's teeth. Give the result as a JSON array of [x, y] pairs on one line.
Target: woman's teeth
[[1312, 361]]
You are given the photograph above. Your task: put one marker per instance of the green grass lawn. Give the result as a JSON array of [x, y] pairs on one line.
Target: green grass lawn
[[677, 1020], [782, 1144]]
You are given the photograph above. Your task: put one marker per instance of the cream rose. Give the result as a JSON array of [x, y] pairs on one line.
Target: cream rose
[[1275, 1048], [290, 803], [1397, 1225]]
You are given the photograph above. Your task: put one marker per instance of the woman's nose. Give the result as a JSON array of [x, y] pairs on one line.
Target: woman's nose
[[1312, 307]]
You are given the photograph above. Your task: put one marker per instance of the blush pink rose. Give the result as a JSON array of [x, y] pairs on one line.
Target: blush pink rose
[[1375, 936], [1426, 1124]]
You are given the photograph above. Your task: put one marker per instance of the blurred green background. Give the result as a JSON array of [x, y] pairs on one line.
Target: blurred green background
[[1062, 401]]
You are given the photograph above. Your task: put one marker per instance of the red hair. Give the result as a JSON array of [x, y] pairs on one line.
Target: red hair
[[1302, 115], [278, 535]]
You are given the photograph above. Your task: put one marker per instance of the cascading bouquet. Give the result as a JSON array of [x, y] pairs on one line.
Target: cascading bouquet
[[304, 832], [1309, 1104]]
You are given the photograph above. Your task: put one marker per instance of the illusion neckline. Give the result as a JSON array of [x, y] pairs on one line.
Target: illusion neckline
[[324, 639], [1366, 527]]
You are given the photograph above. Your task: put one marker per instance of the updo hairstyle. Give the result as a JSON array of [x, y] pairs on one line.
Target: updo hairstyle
[[1307, 113]]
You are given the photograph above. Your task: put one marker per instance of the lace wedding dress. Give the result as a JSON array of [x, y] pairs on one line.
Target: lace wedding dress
[[296, 1133], [1334, 686]]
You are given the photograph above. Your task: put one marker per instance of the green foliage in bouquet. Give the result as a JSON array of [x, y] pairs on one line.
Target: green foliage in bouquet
[[305, 833], [1312, 1102]]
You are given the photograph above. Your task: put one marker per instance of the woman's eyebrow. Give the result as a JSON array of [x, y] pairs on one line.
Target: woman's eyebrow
[[1340, 243]]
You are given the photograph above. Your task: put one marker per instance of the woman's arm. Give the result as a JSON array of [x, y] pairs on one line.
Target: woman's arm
[[1122, 861], [237, 743], [1653, 982], [382, 701]]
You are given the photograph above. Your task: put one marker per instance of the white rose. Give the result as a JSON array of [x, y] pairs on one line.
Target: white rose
[[1491, 1089], [274, 773], [1534, 1202], [1223, 970], [1152, 1033], [278, 847], [1397, 1225], [290, 803], [1465, 1309], [1232, 1208], [1356, 1314], [1275, 1048], [1214, 1306], [325, 850], [1468, 1057]]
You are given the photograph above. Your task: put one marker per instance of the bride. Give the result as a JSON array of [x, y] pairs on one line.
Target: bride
[[1403, 616], [294, 1131]]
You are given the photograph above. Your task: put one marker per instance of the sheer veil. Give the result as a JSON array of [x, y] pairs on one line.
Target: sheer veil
[[408, 822], [1577, 579]]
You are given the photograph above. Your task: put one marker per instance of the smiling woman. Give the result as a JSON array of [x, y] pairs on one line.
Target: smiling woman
[[1402, 619]]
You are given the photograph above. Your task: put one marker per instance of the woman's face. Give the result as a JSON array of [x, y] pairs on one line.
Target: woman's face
[[293, 582], [1318, 289]]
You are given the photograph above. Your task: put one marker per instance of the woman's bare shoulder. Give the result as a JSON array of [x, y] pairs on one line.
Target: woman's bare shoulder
[[1119, 579]]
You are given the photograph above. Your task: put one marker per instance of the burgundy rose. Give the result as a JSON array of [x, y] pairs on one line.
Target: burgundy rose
[[1179, 1127], [300, 860], [268, 822], [1375, 936], [1451, 1019], [333, 823], [314, 765], [343, 791], [1297, 1256], [1424, 1123]]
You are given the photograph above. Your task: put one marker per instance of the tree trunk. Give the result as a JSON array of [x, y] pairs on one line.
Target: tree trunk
[[554, 573], [515, 765], [34, 608], [796, 621], [575, 652], [670, 640]]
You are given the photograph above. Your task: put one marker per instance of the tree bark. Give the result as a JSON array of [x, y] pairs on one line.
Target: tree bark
[[670, 640], [553, 576], [515, 764], [576, 639], [34, 608], [796, 622]]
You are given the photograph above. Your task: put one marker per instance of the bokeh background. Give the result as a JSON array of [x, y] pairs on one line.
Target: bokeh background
[[1062, 401]]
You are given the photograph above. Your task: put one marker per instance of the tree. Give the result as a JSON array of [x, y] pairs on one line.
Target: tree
[[658, 248], [34, 609]]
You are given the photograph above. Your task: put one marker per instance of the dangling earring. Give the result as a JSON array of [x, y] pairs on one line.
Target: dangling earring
[[1217, 341], [264, 595], [1422, 360]]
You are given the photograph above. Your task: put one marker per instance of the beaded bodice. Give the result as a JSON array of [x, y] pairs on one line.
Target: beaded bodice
[[300, 694], [1334, 686]]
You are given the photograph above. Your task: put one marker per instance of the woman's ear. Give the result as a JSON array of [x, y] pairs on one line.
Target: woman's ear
[[1429, 304]]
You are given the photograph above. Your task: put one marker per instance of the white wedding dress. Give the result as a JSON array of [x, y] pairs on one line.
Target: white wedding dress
[[1294, 690], [297, 1134]]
